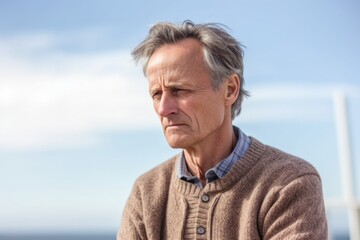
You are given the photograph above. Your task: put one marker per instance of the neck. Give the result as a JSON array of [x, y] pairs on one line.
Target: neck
[[206, 155]]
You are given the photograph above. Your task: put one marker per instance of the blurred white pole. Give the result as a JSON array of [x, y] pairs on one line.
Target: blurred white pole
[[345, 163]]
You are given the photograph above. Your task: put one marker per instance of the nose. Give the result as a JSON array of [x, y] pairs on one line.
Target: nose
[[167, 105]]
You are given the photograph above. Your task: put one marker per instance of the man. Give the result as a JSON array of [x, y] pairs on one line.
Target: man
[[224, 184]]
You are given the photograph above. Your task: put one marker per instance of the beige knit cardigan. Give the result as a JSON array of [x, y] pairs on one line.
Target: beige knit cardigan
[[268, 194]]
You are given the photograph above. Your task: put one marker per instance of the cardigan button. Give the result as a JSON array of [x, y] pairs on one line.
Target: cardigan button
[[200, 230], [205, 198]]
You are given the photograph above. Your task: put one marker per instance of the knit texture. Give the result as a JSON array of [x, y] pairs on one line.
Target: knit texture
[[268, 194]]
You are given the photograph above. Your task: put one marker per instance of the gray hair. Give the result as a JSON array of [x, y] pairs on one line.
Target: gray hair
[[223, 54]]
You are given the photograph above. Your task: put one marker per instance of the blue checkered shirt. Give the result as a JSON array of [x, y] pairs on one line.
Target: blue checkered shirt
[[220, 169]]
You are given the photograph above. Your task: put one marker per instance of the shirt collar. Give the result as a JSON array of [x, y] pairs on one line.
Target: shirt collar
[[220, 169]]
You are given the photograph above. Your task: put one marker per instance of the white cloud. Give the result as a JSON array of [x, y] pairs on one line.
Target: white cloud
[[64, 99], [58, 98], [281, 102]]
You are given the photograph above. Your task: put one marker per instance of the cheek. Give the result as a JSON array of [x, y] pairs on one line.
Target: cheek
[[196, 114], [156, 106], [156, 110], [214, 110], [206, 112]]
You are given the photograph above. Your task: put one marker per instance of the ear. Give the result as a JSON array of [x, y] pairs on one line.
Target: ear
[[232, 89]]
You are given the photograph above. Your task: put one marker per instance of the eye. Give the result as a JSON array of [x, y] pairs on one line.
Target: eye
[[156, 95], [177, 91]]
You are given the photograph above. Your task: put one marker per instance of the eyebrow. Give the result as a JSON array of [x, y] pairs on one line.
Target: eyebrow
[[153, 90], [171, 85]]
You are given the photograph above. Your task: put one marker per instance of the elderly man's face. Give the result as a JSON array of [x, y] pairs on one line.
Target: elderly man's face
[[190, 110]]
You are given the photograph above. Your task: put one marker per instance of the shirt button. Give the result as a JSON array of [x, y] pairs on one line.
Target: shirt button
[[205, 198], [200, 230]]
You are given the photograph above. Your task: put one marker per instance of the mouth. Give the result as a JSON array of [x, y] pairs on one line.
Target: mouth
[[170, 126]]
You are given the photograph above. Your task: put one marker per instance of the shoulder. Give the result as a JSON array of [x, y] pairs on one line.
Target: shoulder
[[288, 163], [146, 203], [290, 196], [281, 166], [157, 176]]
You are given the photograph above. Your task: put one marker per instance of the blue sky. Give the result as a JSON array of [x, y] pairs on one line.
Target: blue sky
[[77, 125]]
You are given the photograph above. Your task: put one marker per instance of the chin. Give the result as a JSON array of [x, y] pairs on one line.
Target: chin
[[177, 143]]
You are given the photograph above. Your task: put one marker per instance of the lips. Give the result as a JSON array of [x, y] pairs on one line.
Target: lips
[[174, 125], [171, 123]]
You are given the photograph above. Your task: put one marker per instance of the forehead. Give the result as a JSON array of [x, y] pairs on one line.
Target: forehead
[[185, 55]]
